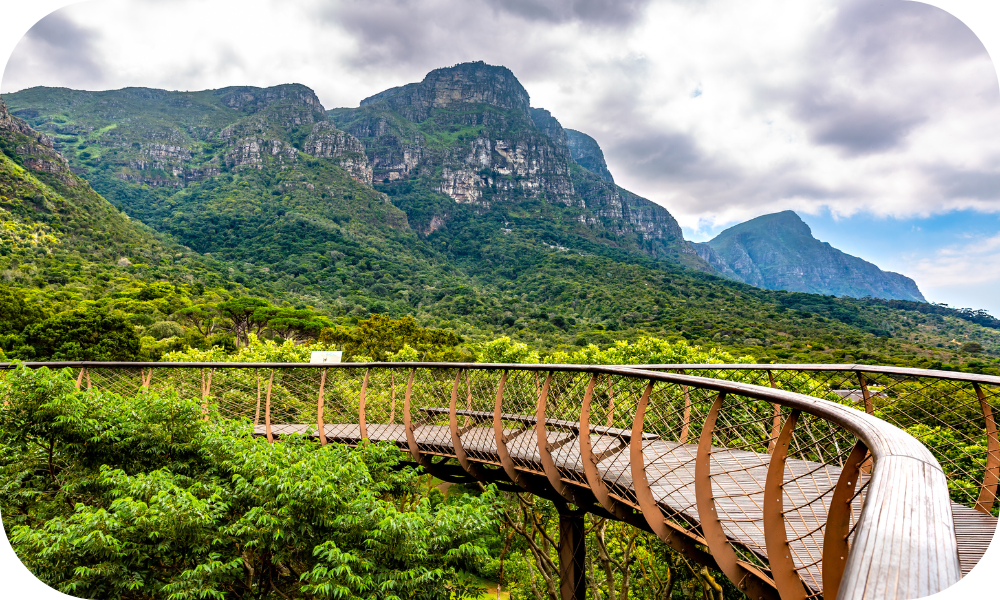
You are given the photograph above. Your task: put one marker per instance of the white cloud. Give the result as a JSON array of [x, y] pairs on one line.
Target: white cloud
[[885, 107], [973, 262]]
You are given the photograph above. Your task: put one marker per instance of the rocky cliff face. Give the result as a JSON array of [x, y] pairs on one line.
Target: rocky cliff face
[[779, 252], [326, 141], [172, 139], [34, 149], [467, 127], [468, 132], [467, 83], [588, 154]]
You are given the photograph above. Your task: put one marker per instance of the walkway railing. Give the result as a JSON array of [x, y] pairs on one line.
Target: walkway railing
[[952, 413], [793, 495]]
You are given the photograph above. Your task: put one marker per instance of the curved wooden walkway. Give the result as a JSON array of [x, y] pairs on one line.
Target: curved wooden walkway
[[671, 465], [792, 496]]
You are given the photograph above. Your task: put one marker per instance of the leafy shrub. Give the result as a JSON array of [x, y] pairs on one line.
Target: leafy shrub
[[108, 496]]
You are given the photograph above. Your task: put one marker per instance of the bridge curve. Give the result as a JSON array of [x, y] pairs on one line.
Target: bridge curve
[[792, 495]]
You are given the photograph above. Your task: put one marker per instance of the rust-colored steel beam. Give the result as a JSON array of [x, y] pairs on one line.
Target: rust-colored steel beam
[[863, 382], [838, 522], [611, 402], [79, 378], [456, 439], [779, 554], [686, 417], [503, 453], [320, 426], [363, 407], [991, 478], [776, 421], [597, 486], [267, 409], [206, 390], [683, 541], [866, 467], [747, 578], [411, 438], [545, 448], [392, 391], [145, 379], [256, 414]]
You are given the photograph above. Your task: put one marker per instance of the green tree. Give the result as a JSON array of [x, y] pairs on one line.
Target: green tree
[[143, 497], [379, 336], [244, 316], [92, 333]]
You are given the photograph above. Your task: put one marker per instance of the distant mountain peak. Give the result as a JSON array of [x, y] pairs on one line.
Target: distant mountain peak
[[786, 221], [778, 251]]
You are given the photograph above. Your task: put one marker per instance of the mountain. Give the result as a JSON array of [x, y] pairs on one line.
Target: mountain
[[779, 252], [66, 247], [451, 199], [256, 177], [464, 144]]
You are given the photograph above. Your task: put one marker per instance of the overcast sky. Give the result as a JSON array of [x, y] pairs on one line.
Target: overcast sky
[[876, 120]]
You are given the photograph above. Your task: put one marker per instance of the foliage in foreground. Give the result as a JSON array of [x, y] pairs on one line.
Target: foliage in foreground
[[106, 496]]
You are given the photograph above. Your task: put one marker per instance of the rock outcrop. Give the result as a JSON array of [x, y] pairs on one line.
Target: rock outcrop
[[34, 149], [326, 141], [588, 154], [171, 139], [467, 83], [779, 252], [470, 132]]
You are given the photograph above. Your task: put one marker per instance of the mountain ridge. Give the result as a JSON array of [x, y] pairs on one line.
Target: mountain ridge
[[778, 251], [295, 220]]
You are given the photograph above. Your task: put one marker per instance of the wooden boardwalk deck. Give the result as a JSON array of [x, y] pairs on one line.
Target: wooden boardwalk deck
[[670, 472]]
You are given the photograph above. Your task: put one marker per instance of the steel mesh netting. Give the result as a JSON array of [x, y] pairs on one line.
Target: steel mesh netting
[[675, 416], [612, 410], [562, 423], [294, 395], [384, 404], [817, 452], [475, 405], [430, 399], [127, 381], [946, 416], [186, 383], [739, 460], [341, 403], [520, 399]]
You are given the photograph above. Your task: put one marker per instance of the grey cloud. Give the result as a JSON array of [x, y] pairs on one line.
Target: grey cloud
[[666, 153], [596, 13], [66, 49], [883, 30], [857, 127], [405, 35], [411, 35], [967, 184], [869, 43]]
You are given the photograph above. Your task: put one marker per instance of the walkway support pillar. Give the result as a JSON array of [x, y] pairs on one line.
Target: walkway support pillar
[[572, 556]]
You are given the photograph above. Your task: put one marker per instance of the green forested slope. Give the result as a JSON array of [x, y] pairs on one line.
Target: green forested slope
[[252, 192]]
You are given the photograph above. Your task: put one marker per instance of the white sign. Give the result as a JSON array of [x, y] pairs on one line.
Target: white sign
[[326, 356]]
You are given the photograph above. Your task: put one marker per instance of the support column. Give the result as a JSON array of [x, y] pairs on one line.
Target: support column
[[572, 556]]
